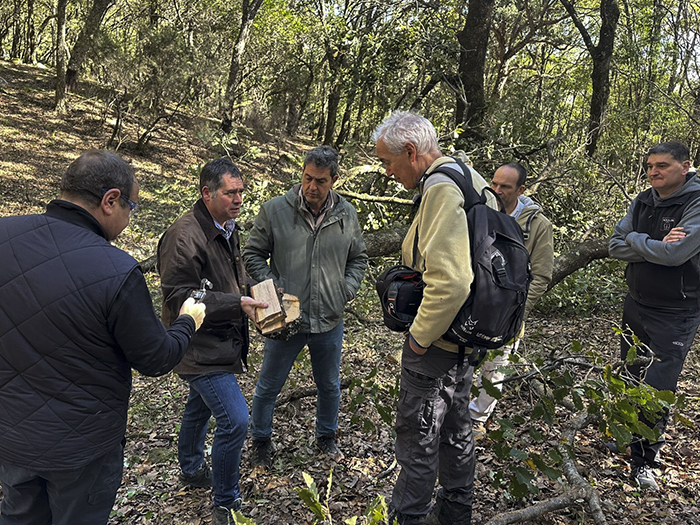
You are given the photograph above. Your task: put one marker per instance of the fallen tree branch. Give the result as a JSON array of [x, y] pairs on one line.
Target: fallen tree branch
[[564, 501], [309, 391], [374, 198], [585, 252]]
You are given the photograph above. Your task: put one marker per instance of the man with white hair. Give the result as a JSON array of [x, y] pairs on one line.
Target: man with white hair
[[433, 427]]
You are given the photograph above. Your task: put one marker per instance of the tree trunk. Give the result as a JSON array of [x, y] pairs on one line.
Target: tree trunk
[[85, 42], [297, 107], [602, 57], [30, 46], [473, 41], [16, 30], [332, 116], [345, 124], [249, 11], [60, 100], [385, 243]]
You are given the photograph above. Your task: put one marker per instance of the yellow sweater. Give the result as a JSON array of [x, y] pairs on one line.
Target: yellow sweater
[[443, 255]]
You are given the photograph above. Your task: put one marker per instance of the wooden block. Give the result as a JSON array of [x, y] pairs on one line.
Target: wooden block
[[266, 291]]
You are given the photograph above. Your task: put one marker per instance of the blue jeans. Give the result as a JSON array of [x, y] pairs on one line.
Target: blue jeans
[[215, 395], [325, 350]]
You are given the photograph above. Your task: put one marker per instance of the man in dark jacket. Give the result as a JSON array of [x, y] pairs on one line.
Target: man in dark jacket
[[660, 239], [313, 241], [203, 244], [76, 316]]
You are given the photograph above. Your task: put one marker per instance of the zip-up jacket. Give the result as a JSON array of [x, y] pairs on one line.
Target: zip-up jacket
[[322, 266], [659, 274], [537, 231]]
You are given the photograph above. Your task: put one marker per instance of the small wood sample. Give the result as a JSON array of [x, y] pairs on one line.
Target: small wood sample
[[274, 314]]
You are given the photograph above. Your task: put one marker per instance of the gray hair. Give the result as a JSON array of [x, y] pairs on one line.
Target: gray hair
[[402, 127], [94, 172], [323, 157]]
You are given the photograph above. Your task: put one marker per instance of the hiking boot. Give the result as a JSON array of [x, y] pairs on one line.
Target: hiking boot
[[446, 512], [329, 446], [200, 479], [224, 515], [263, 450], [644, 476], [404, 519]]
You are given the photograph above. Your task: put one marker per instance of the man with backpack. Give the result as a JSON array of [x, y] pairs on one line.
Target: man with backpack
[[433, 427], [509, 183]]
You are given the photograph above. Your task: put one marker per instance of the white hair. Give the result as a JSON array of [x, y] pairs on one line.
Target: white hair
[[402, 127]]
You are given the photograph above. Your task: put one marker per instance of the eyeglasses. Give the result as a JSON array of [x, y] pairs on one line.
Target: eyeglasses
[[133, 206]]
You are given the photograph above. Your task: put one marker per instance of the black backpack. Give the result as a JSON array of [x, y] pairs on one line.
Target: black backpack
[[493, 313]]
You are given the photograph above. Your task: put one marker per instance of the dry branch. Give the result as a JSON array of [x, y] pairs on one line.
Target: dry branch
[[538, 510], [374, 198], [309, 391]]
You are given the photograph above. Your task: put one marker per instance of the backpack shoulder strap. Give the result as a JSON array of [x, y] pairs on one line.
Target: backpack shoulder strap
[[462, 180]]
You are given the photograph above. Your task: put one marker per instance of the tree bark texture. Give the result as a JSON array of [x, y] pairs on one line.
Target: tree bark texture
[[30, 47], [250, 10], [85, 42], [473, 41], [601, 55]]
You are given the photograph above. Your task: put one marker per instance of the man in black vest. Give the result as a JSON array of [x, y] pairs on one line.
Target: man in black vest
[[76, 317], [660, 239]]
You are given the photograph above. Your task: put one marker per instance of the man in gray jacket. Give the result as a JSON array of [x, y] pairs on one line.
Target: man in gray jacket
[[314, 244], [660, 239]]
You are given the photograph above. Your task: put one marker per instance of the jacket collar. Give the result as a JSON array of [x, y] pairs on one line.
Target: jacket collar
[[74, 214]]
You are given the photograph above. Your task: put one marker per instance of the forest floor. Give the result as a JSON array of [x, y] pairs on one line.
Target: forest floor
[[36, 146]]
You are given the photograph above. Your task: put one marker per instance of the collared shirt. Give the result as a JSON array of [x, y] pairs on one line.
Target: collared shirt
[[314, 219], [227, 228]]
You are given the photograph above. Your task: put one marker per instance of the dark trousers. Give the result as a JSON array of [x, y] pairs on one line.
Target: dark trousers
[[669, 334], [433, 431], [83, 496]]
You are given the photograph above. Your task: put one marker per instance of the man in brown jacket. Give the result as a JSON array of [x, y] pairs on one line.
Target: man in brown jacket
[[204, 244]]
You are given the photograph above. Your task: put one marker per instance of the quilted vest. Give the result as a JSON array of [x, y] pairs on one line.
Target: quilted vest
[[654, 284], [64, 381]]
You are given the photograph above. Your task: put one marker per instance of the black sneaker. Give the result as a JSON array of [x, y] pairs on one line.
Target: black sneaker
[[329, 446], [223, 515], [263, 451], [201, 479]]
